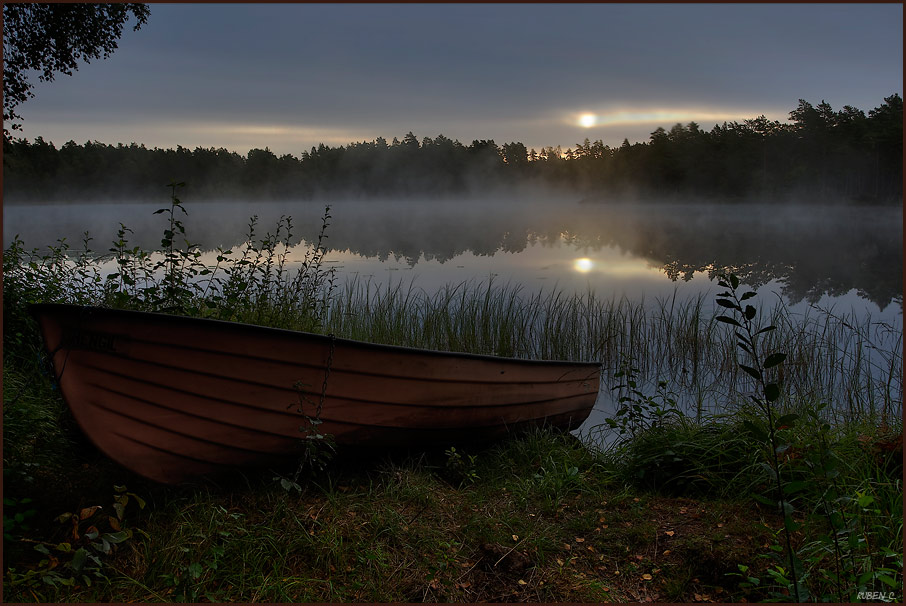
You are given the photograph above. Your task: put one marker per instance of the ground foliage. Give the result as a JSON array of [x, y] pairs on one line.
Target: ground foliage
[[766, 501]]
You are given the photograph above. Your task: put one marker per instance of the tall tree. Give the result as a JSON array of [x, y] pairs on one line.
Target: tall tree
[[53, 38]]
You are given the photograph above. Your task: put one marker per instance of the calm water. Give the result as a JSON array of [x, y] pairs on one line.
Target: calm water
[[850, 259]]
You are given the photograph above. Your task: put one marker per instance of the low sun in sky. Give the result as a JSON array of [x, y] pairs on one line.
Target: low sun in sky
[[587, 120]]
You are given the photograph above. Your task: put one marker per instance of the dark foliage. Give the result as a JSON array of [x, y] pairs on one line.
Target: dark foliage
[[53, 38]]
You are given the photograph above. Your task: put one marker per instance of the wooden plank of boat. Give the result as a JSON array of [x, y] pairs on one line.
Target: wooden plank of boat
[[172, 397]]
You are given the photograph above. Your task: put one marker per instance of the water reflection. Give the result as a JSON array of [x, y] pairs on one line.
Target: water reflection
[[584, 265], [809, 253]]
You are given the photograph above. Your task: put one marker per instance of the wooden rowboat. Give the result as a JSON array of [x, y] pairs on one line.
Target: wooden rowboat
[[172, 397]]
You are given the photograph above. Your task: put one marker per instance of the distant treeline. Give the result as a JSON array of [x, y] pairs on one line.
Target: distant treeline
[[820, 154]]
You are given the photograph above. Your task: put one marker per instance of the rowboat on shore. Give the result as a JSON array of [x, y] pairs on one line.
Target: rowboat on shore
[[173, 398]]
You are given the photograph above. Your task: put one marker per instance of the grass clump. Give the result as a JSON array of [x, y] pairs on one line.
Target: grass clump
[[851, 362], [840, 505]]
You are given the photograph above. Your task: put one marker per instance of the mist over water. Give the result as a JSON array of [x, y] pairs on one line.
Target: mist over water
[[831, 255]]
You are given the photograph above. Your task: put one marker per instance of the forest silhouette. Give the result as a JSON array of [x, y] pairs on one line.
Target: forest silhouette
[[820, 155]]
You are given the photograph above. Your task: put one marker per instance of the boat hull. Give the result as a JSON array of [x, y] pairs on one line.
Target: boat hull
[[172, 397]]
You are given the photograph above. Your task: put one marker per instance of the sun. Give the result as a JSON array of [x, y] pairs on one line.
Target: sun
[[587, 120]]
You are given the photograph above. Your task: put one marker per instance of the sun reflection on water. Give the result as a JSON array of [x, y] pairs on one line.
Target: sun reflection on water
[[583, 265]]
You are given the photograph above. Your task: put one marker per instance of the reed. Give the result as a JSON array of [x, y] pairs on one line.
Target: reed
[[832, 357]]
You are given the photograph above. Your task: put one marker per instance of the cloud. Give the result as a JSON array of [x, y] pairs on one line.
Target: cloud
[[610, 118], [292, 76]]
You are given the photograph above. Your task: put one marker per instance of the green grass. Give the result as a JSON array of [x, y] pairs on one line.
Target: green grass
[[399, 530]]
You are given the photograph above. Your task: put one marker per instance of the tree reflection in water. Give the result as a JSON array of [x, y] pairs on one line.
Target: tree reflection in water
[[812, 251]]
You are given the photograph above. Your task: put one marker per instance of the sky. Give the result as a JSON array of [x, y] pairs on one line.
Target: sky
[[291, 76]]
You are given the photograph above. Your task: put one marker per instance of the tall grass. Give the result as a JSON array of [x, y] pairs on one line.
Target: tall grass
[[832, 358]]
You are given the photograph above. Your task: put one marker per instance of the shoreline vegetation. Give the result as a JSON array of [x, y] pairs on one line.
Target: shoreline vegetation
[[820, 154], [783, 479]]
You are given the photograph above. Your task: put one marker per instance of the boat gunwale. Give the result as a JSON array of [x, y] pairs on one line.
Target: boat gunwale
[[36, 308]]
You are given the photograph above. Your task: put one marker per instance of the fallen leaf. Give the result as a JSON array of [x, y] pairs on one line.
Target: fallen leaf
[[88, 512], [647, 576], [580, 540], [515, 537], [590, 548], [670, 533], [521, 582], [559, 561], [567, 546], [666, 552]]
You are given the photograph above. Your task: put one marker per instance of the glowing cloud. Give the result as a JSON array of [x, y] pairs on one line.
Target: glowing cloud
[[285, 131], [662, 116]]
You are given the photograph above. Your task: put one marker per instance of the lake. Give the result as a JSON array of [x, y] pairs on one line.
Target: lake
[[848, 259]]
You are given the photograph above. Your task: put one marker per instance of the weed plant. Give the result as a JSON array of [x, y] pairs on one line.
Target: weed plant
[[258, 284]]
